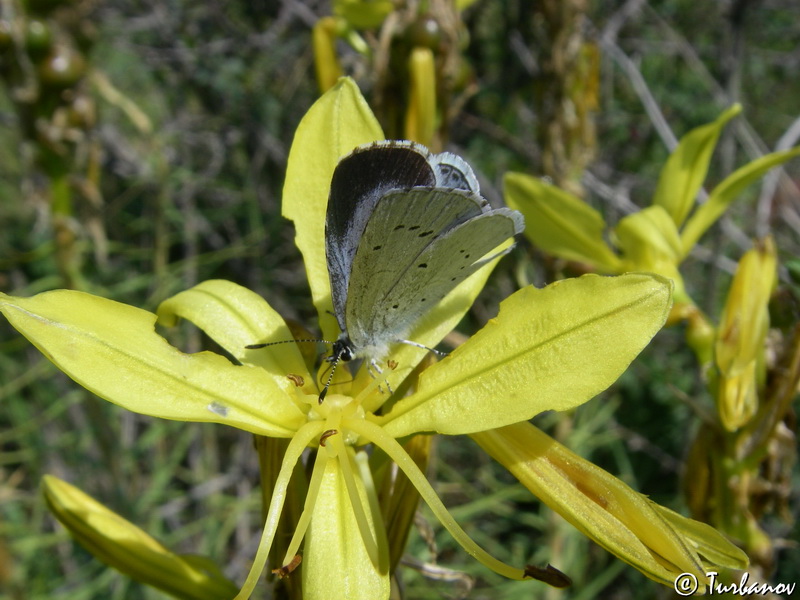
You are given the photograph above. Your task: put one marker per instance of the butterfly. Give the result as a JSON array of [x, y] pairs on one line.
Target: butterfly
[[403, 228]]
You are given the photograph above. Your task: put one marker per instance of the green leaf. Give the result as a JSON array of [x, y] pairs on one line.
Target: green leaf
[[111, 349], [686, 168], [726, 192], [560, 223], [549, 349], [338, 122], [235, 317]]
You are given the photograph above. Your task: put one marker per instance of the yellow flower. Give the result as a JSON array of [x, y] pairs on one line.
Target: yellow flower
[[655, 239], [548, 349]]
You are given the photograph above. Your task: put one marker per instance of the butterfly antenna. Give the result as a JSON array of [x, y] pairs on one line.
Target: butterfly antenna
[[334, 364], [257, 346]]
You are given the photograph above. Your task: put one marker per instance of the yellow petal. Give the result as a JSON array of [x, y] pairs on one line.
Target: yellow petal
[[560, 223], [235, 317], [549, 349], [122, 545], [338, 122], [649, 241], [112, 350], [727, 191], [649, 231], [686, 168], [335, 561], [599, 505]]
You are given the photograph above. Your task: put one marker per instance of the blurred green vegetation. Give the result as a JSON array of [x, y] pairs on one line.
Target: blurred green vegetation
[[194, 122]]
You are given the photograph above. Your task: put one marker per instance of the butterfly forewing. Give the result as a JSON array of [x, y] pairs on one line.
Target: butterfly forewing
[[359, 181]]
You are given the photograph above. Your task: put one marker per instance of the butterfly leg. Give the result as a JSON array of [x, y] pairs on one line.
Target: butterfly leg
[[375, 371]]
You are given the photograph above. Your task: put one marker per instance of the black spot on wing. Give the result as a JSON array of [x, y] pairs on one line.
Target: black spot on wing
[[453, 178]]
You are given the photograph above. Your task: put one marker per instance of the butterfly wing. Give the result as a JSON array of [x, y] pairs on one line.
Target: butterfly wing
[[453, 172], [359, 181], [435, 239]]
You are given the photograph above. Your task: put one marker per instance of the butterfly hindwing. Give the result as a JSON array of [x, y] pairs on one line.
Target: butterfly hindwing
[[418, 227], [447, 262], [453, 172]]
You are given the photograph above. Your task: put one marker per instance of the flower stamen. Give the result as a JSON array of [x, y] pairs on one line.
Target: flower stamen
[[376, 435], [303, 522], [345, 456], [325, 435], [286, 570], [294, 451]]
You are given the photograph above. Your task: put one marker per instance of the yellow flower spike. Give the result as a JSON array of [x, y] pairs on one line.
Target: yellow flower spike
[[420, 125], [326, 61], [122, 545], [739, 350], [601, 506]]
